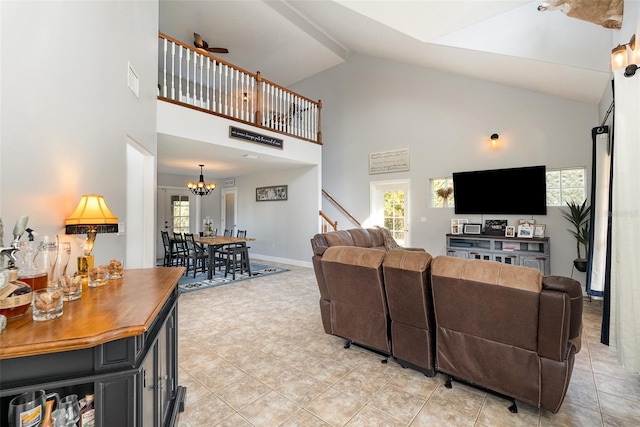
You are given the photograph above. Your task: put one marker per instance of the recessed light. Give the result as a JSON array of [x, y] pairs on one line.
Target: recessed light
[[250, 156]]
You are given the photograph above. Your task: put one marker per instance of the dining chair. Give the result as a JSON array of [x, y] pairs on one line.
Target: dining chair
[[170, 254], [237, 257], [181, 248], [196, 255]]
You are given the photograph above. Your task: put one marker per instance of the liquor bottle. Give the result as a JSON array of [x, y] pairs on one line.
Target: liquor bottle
[[87, 413], [15, 295]]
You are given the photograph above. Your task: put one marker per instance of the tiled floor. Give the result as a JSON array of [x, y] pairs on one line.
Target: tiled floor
[[254, 353]]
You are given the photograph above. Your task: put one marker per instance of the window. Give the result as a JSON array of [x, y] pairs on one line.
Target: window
[[566, 185], [394, 213], [180, 211], [436, 184]]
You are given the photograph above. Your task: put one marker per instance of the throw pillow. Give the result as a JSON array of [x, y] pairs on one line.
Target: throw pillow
[[389, 242]]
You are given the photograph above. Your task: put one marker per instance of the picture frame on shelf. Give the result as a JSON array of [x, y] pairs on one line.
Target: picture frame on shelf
[[525, 231], [510, 231], [531, 222], [494, 227], [457, 225], [538, 230], [272, 193]]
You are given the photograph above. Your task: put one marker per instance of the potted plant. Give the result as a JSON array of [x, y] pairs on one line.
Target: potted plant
[[578, 216]]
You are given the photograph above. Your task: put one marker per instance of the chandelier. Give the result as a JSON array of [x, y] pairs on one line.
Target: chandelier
[[201, 188]]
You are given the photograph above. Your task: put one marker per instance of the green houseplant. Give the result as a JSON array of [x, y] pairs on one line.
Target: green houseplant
[[579, 215]]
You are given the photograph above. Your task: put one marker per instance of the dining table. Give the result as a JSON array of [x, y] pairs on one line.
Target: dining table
[[215, 242]]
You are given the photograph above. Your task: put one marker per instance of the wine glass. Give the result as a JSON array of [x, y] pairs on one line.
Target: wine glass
[[64, 255]]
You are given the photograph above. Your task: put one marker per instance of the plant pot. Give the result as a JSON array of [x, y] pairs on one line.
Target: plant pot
[[580, 264]]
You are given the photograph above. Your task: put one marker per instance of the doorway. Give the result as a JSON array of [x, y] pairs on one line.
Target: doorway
[[175, 210], [229, 214], [390, 208]]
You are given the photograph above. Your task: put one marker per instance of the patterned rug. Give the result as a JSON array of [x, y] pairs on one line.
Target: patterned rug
[[189, 284]]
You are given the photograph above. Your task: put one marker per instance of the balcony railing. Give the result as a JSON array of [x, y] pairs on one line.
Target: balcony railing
[[196, 79]]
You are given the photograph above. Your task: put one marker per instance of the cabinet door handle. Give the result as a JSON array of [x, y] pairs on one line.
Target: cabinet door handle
[[144, 378]]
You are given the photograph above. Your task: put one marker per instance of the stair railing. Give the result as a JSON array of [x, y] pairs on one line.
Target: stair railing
[[339, 206]]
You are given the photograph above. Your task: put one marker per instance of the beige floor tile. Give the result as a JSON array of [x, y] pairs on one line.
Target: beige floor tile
[[302, 389], [434, 415], [269, 410], [218, 375], [302, 418], [397, 403], [242, 392], [416, 383], [358, 385], [571, 416], [616, 422], [195, 390], [495, 412], [460, 398], [334, 407], [207, 412], [274, 374], [370, 417], [628, 388], [234, 420], [619, 407]]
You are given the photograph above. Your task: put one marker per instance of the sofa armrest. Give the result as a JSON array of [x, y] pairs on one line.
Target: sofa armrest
[[553, 324], [574, 290]]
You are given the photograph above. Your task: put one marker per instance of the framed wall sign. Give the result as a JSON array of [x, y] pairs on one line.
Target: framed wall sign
[[272, 193]]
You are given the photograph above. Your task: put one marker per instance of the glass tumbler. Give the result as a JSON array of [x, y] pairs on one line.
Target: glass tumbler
[[47, 303]]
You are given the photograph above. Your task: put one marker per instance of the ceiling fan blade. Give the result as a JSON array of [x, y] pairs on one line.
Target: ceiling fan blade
[[218, 50]]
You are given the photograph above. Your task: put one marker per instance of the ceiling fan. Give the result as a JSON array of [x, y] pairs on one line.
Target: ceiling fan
[[203, 45]]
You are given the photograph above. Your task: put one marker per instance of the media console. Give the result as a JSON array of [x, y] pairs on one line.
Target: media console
[[526, 252]]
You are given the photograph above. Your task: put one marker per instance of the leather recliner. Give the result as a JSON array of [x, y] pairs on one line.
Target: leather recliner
[[408, 287], [506, 328], [355, 297]]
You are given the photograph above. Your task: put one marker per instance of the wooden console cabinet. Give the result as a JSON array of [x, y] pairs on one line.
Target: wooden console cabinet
[[118, 342], [532, 253]]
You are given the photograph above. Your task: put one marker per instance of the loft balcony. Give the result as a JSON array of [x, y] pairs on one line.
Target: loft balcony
[[195, 79]]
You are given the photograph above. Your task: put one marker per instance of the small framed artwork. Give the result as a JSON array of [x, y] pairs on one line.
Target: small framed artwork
[[494, 227], [472, 229], [273, 193], [530, 222], [510, 231], [457, 225], [538, 230], [525, 231]]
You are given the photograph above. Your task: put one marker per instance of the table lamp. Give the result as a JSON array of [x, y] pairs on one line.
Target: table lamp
[[91, 216]]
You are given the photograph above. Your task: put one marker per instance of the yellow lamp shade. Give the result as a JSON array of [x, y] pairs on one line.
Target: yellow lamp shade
[[92, 210]]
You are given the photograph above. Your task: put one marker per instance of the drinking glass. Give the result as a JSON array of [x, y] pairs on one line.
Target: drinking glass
[[28, 409], [64, 255], [69, 404], [48, 255], [47, 303]]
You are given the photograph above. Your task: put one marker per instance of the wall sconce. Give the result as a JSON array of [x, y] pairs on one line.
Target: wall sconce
[[91, 216], [494, 143], [245, 97], [619, 57]]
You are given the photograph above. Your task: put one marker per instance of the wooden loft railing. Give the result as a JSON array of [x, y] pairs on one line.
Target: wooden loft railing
[[199, 80], [334, 224]]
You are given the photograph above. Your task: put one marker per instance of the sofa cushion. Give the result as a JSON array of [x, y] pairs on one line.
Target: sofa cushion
[[339, 238], [361, 237]]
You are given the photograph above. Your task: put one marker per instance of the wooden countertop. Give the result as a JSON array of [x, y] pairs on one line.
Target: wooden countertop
[[122, 308]]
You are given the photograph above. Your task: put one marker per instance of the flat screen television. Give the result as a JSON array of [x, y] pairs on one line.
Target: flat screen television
[[514, 191]]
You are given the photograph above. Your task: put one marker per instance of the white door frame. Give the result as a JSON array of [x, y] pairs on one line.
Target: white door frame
[[376, 188]]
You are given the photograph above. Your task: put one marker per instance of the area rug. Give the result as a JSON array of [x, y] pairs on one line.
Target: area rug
[[189, 284]]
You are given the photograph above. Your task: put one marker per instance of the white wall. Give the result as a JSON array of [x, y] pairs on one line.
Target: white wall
[[66, 109], [371, 105]]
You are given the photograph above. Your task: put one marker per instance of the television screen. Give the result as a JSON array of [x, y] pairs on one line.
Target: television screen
[[521, 191]]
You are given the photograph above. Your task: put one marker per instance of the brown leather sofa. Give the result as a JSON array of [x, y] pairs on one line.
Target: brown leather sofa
[[506, 328], [376, 298]]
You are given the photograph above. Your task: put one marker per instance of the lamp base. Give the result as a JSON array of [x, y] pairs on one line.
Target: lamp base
[[84, 263]]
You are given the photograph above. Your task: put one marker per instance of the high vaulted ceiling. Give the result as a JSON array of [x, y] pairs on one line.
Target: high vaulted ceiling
[[507, 42]]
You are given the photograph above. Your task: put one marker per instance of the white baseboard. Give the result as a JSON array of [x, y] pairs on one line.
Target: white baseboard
[[295, 262]]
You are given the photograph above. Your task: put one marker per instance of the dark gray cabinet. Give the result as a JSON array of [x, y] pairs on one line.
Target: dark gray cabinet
[[533, 253], [133, 379]]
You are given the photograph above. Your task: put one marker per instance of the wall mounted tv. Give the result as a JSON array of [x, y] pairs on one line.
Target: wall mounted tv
[[515, 191]]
